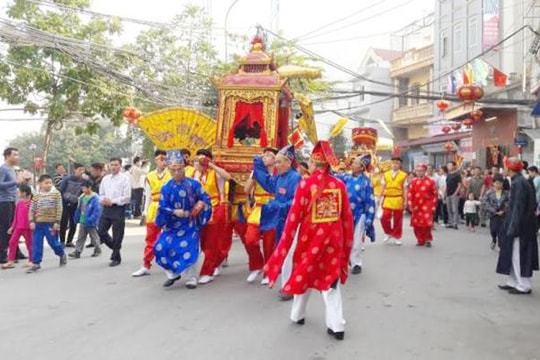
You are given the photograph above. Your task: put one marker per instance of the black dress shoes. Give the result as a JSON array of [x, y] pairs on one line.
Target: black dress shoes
[[301, 322], [357, 269], [170, 282], [338, 335], [506, 287], [114, 263]]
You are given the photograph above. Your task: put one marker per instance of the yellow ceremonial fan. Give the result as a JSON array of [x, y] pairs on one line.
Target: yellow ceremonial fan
[[338, 127], [179, 128], [307, 121]]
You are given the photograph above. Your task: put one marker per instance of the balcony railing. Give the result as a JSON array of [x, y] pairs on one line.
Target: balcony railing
[[412, 114], [412, 60]]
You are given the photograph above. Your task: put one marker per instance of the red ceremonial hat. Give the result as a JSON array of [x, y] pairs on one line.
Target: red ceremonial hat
[[513, 164], [422, 166], [323, 153]]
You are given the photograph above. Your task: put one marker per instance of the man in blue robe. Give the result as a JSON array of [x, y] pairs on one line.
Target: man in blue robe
[[283, 186], [184, 209], [360, 191]]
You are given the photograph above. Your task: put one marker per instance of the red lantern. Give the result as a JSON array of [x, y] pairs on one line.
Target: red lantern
[[448, 147], [446, 129], [131, 115], [477, 114], [456, 127], [477, 92], [469, 92], [443, 105], [126, 112], [468, 123]]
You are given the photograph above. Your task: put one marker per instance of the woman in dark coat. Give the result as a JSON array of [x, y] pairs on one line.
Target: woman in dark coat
[[518, 257]]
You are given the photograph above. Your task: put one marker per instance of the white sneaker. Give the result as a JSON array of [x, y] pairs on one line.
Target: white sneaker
[[387, 238], [362, 248], [398, 242], [141, 272], [265, 281], [217, 271], [205, 279], [253, 276], [192, 283]]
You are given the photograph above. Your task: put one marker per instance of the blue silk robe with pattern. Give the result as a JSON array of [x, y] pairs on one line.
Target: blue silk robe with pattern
[[177, 248]]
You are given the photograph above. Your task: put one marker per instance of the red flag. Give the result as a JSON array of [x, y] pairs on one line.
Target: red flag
[[297, 139], [499, 78]]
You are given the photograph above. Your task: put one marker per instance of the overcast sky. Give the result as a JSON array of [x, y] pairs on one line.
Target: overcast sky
[[349, 28]]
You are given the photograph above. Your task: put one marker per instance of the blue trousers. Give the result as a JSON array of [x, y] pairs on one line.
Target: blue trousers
[[43, 230]]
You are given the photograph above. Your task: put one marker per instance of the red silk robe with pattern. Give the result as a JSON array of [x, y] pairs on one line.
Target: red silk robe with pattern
[[323, 214], [422, 201]]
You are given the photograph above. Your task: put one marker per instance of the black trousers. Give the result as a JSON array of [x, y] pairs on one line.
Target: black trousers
[[496, 227], [7, 211], [441, 213], [136, 201], [68, 214], [113, 217], [470, 219]]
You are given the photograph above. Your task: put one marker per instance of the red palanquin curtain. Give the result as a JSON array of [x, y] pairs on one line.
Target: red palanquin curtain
[[253, 113]]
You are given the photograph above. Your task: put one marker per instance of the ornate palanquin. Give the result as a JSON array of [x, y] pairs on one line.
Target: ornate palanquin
[[253, 112]]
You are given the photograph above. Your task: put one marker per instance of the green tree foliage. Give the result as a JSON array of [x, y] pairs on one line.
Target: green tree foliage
[[179, 61], [67, 82], [340, 145], [69, 146]]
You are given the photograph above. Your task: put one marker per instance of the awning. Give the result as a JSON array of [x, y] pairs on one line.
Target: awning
[[532, 133], [434, 139]]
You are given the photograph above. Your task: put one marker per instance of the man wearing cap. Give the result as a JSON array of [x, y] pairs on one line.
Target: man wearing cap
[[394, 197], [184, 209], [282, 186], [360, 192], [214, 182], [155, 180], [322, 215], [258, 227], [422, 201], [518, 257]]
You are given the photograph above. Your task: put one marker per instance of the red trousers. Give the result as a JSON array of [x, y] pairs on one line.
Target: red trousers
[[225, 242], [392, 223], [253, 246], [423, 234], [14, 243], [152, 233], [214, 240]]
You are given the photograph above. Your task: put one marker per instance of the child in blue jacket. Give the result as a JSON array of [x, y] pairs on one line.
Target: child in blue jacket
[[87, 216]]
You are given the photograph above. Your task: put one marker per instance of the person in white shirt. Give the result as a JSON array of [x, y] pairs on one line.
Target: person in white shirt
[[138, 173], [114, 195], [470, 209]]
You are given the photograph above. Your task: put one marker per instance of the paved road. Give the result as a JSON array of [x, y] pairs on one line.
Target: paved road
[[409, 303]]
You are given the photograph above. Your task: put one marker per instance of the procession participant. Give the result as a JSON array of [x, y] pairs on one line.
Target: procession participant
[[518, 257], [394, 197], [114, 195], [259, 227], [155, 180], [184, 208], [362, 200], [282, 186], [213, 180], [422, 201], [238, 214], [322, 212], [495, 205]]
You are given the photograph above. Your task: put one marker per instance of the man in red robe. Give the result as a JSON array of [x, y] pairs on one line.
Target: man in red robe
[[422, 203], [322, 212]]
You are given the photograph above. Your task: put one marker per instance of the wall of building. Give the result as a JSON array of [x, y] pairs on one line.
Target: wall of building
[[499, 132]]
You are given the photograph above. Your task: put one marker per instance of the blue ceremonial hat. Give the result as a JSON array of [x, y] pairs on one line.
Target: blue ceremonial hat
[[288, 152], [366, 160], [175, 157]]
